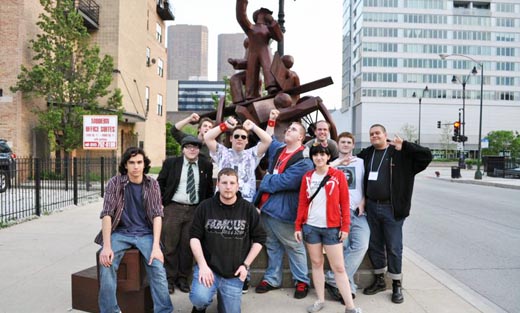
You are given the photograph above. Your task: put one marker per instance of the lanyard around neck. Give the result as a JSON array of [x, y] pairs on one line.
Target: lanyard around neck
[[380, 162]]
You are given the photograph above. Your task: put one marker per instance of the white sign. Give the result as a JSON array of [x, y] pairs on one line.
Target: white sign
[[484, 143], [460, 146], [100, 132]]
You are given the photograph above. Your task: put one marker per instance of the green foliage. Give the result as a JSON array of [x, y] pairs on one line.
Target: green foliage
[[501, 141], [69, 73], [172, 146]]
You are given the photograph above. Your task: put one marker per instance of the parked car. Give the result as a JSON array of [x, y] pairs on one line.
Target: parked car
[[7, 165]]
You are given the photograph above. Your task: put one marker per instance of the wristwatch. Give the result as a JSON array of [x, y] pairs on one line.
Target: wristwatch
[[246, 266]]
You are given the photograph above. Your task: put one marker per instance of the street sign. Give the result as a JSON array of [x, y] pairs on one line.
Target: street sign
[[460, 146], [100, 132], [484, 143]]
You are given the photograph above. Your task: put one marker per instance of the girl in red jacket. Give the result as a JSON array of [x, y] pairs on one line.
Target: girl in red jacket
[[323, 221]]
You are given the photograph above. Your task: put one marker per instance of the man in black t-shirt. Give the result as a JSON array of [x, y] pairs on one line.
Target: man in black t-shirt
[[226, 236], [390, 169]]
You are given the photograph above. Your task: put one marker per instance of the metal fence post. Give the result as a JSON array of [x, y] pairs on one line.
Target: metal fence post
[[37, 186], [75, 179], [102, 177]]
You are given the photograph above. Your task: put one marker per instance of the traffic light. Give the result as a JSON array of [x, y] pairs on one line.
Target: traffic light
[[456, 128], [438, 124], [456, 131]]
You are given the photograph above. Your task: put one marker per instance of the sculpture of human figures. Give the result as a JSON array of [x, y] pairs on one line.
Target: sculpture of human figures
[[238, 80], [259, 34]]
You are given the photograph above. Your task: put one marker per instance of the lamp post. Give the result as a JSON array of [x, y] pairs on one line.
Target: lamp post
[[281, 22], [478, 173], [425, 90], [463, 81]]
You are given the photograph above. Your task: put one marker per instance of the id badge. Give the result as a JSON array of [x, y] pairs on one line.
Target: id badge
[[275, 171], [372, 176]]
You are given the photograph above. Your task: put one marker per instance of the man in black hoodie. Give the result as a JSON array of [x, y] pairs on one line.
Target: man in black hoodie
[[390, 169], [226, 236]]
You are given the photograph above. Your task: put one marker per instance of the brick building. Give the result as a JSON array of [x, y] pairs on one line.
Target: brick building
[[132, 32]]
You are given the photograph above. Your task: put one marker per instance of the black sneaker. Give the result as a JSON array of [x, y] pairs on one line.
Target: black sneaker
[[264, 287], [334, 293], [245, 287], [302, 289]]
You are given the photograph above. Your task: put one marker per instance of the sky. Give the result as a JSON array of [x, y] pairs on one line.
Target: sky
[[312, 35]]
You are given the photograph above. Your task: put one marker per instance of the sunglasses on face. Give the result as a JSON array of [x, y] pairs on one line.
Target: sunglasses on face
[[243, 137]]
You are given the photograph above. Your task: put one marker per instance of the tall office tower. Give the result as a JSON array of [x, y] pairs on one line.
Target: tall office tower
[[132, 32], [229, 46], [392, 50], [187, 52]]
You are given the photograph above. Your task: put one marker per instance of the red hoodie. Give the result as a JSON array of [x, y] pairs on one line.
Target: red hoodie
[[338, 202]]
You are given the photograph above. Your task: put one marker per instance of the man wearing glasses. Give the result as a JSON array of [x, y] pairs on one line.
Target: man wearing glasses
[[185, 181], [243, 161]]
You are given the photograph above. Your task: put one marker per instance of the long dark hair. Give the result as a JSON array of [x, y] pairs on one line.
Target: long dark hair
[[132, 152]]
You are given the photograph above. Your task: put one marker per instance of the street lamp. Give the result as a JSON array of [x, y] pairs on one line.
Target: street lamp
[[425, 90], [478, 173], [463, 81]]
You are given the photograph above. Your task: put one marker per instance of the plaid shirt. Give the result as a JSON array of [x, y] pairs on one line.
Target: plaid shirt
[[114, 201]]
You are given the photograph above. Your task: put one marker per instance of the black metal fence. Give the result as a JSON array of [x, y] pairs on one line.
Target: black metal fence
[[40, 186]]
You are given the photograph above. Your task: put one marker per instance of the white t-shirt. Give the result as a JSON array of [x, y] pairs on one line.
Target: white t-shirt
[[354, 172], [318, 207], [244, 162]]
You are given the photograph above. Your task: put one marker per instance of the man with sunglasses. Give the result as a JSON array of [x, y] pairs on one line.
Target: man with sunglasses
[[185, 181], [277, 199], [243, 161]]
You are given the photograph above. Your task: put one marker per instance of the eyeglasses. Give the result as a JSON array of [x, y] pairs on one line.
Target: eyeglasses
[[191, 147], [243, 137]]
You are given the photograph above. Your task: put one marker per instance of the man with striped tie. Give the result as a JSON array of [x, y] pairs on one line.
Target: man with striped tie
[[185, 181]]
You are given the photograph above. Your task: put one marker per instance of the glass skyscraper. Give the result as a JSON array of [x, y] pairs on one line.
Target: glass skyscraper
[[392, 51]]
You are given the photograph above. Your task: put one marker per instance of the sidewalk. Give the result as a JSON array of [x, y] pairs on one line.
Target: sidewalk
[[39, 256]]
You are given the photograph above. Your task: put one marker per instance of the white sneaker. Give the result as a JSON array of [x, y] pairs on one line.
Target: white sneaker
[[317, 306], [354, 310]]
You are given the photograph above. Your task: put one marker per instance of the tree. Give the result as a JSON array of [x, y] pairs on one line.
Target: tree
[[172, 146], [501, 141], [409, 132], [69, 73]]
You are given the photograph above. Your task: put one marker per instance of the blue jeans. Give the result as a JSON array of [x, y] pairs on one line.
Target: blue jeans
[[354, 249], [386, 239], [280, 239], [228, 290], [155, 272]]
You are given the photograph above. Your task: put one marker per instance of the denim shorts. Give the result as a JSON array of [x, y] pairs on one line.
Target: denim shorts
[[326, 236]]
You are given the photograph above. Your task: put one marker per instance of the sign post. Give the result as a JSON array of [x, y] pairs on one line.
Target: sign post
[[100, 132]]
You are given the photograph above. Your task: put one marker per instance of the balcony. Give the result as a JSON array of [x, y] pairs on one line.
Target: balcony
[[163, 10], [89, 10]]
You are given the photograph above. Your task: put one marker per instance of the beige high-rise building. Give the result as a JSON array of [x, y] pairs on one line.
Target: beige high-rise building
[[132, 32], [187, 52], [229, 46]]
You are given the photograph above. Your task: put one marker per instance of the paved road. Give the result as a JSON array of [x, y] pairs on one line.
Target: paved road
[[472, 232]]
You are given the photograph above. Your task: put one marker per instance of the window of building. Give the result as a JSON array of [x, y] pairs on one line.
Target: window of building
[[159, 105], [505, 66], [160, 68], [505, 7], [424, 4], [148, 56], [147, 98], [505, 22], [158, 32]]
